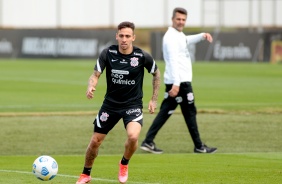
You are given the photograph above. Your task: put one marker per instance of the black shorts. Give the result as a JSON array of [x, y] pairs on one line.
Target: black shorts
[[107, 118]]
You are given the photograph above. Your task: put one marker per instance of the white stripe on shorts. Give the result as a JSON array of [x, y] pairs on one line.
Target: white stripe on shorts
[[138, 118], [98, 121]]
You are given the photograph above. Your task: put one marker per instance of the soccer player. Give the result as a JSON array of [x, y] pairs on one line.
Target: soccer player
[[178, 82], [125, 65]]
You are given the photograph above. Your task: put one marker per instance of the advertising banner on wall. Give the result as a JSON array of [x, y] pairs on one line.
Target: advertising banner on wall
[[9, 43], [269, 37], [239, 46], [54, 43], [276, 52], [231, 47]]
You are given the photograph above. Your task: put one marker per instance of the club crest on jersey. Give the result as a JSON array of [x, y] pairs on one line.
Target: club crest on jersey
[[134, 61], [104, 116]]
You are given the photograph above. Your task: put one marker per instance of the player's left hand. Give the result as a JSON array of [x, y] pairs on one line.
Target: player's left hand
[[90, 92], [152, 106], [208, 37]]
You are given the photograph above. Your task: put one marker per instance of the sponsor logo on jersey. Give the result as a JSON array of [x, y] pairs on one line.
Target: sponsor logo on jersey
[[113, 51], [118, 77], [124, 72], [138, 54], [104, 116], [123, 62], [114, 60], [134, 61]]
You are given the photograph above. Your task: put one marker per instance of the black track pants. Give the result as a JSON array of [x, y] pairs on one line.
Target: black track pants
[[185, 98]]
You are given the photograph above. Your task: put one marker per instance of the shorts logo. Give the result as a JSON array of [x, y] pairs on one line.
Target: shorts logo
[[190, 97], [134, 61], [104, 116], [137, 111]]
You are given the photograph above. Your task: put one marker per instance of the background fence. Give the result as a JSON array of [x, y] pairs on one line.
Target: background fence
[[145, 13], [80, 29]]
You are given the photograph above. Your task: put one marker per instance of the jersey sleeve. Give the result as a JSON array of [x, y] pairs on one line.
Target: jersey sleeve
[[101, 61], [150, 63]]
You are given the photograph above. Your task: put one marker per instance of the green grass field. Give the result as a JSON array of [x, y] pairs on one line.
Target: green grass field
[[44, 110]]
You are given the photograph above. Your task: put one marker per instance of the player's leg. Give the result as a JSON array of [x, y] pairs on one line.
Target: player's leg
[[133, 120], [103, 123], [90, 155], [189, 112], [167, 108], [133, 130], [93, 148]]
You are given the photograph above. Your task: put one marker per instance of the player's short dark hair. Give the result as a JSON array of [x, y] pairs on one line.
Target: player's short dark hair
[[126, 24], [179, 10]]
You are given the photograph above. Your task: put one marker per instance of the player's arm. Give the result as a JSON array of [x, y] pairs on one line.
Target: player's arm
[[92, 82], [192, 39], [171, 49], [156, 86], [98, 69]]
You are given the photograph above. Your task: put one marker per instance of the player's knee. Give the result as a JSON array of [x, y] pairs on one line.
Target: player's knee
[[132, 138], [96, 142]]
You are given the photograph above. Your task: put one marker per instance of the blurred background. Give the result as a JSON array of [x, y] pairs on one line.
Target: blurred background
[[243, 30]]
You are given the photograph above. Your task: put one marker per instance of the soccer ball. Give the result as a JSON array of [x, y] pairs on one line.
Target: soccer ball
[[45, 168]]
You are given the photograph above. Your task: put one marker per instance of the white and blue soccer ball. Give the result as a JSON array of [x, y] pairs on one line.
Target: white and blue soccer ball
[[45, 168]]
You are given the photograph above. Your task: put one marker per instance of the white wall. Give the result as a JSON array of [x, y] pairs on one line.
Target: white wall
[[144, 13]]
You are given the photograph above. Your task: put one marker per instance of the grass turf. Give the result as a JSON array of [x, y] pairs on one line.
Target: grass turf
[[43, 110], [249, 150], [245, 168], [60, 85]]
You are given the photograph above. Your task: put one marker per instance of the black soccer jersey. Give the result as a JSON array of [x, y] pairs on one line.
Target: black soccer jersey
[[124, 75]]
